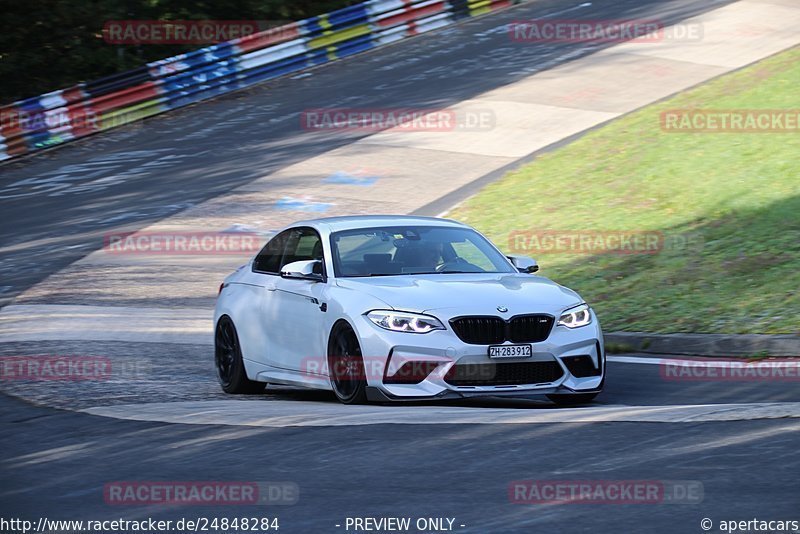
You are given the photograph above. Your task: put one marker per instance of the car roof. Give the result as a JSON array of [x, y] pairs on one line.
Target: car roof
[[351, 222]]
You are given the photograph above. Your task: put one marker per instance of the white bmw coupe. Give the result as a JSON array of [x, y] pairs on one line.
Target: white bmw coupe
[[390, 308]]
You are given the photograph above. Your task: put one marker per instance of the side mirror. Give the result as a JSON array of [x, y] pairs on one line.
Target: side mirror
[[303, 270], [524, 264]]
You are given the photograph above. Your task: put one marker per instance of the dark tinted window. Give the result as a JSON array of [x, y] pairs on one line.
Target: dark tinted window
[[302, 244], [290, 245], [269, 259]]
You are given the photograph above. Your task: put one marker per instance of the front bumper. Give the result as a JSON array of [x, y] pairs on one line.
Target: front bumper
[[569, 361]]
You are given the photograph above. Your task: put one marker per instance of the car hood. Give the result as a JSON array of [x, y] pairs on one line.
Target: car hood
[[467, 294]]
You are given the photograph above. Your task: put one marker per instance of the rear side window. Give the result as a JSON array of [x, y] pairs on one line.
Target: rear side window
[[269, 259]]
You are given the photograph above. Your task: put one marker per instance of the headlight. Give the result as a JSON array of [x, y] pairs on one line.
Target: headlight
[[575, 317], [404, 321]]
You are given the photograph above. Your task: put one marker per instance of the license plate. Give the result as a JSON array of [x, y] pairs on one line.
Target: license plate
[[510, 351]]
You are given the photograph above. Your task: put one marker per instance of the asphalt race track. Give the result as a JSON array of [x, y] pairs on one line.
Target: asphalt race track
[[162, 416], [57, 206], [57, 462]]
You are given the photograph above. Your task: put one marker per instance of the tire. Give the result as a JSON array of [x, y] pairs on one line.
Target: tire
[[228, 360], [573, 400], [346, 365]]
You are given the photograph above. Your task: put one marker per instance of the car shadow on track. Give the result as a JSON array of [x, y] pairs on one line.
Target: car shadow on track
[[287, 393]]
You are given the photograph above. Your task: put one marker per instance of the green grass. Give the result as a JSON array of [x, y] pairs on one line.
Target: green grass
[[737, 195]]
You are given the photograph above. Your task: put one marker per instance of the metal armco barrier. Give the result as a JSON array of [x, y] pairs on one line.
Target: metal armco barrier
[[58, 117]]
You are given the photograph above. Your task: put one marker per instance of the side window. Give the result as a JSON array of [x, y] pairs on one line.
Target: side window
[[269, 259], [302, 244]]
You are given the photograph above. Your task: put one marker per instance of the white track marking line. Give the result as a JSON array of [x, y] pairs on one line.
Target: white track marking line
[[281, 413], [52, 322], [717, 363]]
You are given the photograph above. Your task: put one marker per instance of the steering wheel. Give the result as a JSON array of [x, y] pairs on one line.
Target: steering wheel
[[455, 261]]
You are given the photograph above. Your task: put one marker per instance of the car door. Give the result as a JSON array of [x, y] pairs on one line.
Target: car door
[[265, 316], [298, 309]]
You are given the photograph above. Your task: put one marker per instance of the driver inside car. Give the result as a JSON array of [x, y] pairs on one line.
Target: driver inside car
[[420, 257], [430, 256]]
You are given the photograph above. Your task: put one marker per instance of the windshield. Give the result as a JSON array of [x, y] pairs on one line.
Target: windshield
[[402, 250]]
